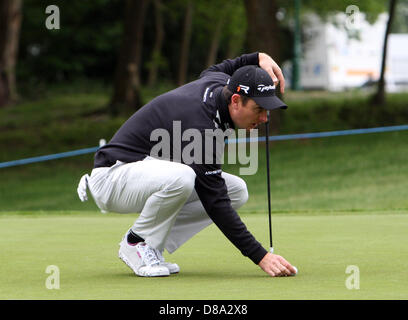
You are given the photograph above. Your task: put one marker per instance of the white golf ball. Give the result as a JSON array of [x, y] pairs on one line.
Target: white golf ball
[[295, 269]]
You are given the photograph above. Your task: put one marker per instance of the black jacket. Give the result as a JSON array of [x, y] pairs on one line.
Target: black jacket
[[200, 105]]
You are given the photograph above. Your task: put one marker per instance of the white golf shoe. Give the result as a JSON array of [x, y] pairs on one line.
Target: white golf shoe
[[173, 267], [142, 259]]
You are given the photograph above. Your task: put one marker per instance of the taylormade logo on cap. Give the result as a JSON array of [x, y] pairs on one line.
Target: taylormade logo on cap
[[262, 87]]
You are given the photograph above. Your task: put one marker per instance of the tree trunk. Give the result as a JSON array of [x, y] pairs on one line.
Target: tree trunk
[[185, 45], [379, 96], [263, 35], [158, 44], [126, 93], [215, 41], [10, 23]]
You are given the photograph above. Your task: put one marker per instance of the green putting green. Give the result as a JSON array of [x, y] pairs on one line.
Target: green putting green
[[339, 255]]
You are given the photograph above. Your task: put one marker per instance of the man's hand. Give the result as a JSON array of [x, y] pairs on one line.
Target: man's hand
[[270, 66], [276, 266]]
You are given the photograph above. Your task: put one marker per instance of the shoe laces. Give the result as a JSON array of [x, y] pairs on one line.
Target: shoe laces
[[148, 254], [159, 255]]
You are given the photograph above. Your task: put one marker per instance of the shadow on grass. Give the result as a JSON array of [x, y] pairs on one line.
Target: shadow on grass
[[217, 275], [189, 275]]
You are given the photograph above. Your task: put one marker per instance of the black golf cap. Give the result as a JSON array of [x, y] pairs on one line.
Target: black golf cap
[[255, 83]]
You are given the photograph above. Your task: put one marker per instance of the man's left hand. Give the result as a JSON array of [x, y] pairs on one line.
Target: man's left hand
[[270, 66]]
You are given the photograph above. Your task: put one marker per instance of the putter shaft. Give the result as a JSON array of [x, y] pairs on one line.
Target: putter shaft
[[268, 182]]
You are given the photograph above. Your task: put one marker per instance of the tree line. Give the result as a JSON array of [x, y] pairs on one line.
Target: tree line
[[135, 43]]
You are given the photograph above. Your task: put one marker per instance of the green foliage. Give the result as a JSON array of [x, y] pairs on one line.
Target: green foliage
[[85, 44], [326, 111], [400, 23], [206, 15], [88, 41], [235, 29], [66, 118]]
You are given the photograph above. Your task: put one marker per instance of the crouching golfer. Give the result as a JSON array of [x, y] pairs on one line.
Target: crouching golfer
[[177, 199]]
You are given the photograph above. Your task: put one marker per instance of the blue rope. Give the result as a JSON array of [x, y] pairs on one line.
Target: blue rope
[[48, 157], [322, 134], [240, 140]]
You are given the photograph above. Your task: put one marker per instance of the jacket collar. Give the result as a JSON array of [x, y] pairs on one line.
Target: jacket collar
[[222, 110]]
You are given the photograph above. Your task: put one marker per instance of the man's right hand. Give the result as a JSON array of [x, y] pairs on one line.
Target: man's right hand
[[276, 266]]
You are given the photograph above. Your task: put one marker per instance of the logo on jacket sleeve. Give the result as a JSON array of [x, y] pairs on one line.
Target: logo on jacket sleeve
[[208, 173]]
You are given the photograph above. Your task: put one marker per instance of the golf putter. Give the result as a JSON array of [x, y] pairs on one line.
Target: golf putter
[[269, 189], [268, 183]]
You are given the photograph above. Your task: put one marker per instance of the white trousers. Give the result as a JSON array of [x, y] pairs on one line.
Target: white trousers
[[164, 195]]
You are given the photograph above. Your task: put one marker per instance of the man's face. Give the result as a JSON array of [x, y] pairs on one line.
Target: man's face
[[247, 116]]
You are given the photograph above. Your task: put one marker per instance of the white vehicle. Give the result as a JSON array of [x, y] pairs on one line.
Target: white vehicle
[[334, 60]]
